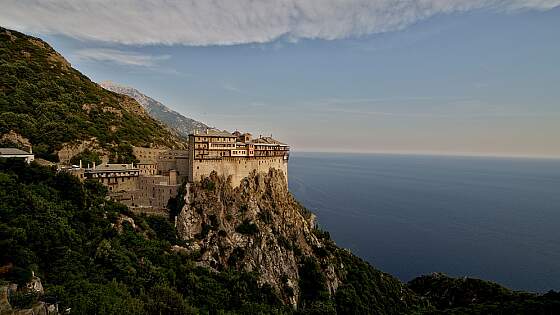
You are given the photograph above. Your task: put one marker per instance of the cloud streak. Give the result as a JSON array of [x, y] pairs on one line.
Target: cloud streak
[[120, 57], [229, 22]]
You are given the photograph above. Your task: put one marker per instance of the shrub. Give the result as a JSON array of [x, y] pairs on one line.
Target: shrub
[[247, 228]]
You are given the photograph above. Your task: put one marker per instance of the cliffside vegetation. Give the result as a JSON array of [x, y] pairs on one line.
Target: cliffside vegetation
[[46, 101], [475, 296]]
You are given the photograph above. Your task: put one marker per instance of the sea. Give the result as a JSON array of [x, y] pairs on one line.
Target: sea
[[496, 219]]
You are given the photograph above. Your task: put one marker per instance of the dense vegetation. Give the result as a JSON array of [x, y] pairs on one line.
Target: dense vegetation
[[45, 100], [365, 290], [474, 296]]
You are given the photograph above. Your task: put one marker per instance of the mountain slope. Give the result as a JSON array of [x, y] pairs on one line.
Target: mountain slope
[[157, 110], [46, 102]]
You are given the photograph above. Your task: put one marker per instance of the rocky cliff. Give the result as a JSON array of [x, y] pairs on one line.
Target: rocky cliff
[[259, 227], [24, 300]]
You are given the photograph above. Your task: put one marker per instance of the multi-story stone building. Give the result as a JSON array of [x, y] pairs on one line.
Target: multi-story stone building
[[117, 177], [159, 162], [234, 155], [151, 194], [148, 185]]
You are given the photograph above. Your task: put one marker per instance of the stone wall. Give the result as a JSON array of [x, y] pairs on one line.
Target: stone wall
[[147, 155], [151, 192], [120, 183], [181, 165], [237, 168]]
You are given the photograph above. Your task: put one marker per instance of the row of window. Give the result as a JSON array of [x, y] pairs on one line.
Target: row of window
[[213, 139]]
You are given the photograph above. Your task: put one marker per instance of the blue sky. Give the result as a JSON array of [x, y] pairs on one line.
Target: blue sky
[[449, 77]]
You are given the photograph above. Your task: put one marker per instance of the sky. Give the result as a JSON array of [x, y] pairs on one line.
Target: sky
[[476, 77]]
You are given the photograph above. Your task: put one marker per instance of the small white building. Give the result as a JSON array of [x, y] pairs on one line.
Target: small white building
[[16, 153]]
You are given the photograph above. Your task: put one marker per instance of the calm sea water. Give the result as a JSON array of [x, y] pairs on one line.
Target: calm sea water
[[491, 218]]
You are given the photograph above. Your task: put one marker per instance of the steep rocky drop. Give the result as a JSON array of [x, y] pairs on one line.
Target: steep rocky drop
[[260, 227]]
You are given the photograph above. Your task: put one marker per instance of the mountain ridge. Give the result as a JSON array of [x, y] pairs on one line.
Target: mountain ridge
[[175, 120]]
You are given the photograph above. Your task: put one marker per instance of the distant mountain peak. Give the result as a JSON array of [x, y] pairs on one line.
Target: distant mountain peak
[[183, 125]]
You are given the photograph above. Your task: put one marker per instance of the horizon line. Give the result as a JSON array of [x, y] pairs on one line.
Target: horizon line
[[430, 153]]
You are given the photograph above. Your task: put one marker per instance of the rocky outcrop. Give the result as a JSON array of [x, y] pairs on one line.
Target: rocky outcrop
[[34, 288], [69, 150], [16, 138], [256, 227]]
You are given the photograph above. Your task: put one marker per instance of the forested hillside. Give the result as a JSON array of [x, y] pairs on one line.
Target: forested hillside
[[48, 103]]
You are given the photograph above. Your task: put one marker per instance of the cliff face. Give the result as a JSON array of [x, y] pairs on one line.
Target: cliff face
[[259, 227], [25, 299]]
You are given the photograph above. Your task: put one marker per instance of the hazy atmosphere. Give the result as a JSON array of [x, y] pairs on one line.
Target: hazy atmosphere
[[448, 77]]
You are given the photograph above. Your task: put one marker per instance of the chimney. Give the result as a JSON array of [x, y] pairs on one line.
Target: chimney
[[80, 164], [206, 130], [93, 164]]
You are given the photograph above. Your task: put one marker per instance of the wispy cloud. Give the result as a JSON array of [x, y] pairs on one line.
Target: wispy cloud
[[227, 22], [120, 57], [231, 88], [440, 115], [420, 107]]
